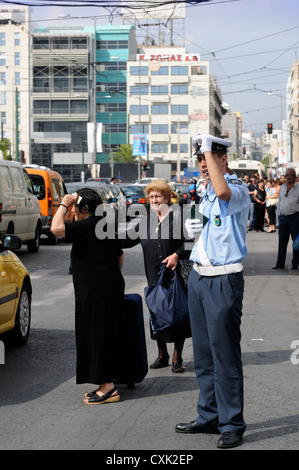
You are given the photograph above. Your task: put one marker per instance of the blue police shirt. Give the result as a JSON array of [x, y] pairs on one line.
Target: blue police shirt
[[224, 232]]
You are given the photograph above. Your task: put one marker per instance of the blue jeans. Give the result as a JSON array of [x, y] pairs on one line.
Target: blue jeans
[[215, 308]]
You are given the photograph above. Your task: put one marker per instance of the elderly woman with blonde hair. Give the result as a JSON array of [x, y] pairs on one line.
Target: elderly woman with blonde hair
[[160, 234]]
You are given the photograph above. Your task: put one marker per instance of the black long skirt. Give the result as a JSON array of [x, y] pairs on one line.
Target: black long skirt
[[98, 332]]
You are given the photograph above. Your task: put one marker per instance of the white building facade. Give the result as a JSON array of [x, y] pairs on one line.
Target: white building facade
[[171, 97], [15, 80]]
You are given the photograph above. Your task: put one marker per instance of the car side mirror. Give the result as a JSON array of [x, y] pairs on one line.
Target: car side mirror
[[11, 242]]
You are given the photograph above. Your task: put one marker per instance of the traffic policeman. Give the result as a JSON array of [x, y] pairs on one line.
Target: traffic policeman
[[216, 287]]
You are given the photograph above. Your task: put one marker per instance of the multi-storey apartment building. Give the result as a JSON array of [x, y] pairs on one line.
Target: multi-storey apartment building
[[171, 97], [15, 80], [78, 79]]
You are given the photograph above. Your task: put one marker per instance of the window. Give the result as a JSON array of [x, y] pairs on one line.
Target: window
[[115, 128], [55, 190], [164, 70], [17, 179], [3, 58], [115, 65], [136, 70], [79, 43], [17, 78], [79, 107], [61, 43], [6, 179], [139, 129], [3, 117], [136, 109], [61, 79], [159, 90], [2, 39], [41, 107], [17, 58], [159, 108], [183, 126], [111, 107], [59, 107], [179, 70], [179, 109], [139, 90], [3, 98], [159, 148], [183, 148], [80, 78], [17, 39], [159, 128], [179, 89], [40, 43], [3, 78], [118, 44]]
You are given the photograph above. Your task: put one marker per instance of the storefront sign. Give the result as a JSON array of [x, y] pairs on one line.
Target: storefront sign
[[170, 57]]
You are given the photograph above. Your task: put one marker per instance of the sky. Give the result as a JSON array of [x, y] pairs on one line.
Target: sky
[[251, 46]]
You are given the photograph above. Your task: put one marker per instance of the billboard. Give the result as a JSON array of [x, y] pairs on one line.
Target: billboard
[[140, 145]]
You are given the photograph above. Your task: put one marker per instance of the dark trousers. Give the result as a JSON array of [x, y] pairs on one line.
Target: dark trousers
[[215, 307], [288, 225]]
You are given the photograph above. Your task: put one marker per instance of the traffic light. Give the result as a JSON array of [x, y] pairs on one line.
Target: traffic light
[[144, 167], [269, 128], [244, 150]]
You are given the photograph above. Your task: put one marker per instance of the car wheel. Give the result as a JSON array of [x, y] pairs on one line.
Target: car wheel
[[33, 245], [20, 334]]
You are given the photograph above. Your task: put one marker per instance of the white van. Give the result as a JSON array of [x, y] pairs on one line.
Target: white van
[[19, 207]]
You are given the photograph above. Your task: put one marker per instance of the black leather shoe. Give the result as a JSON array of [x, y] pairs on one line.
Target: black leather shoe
[[277, 267], [229, 439], [193, 427]]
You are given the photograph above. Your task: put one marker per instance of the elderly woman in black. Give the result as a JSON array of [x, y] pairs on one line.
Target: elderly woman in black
[[160, 234], [99, 291]]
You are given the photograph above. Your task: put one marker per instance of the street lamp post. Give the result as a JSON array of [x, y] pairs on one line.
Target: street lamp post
[[110, 153]]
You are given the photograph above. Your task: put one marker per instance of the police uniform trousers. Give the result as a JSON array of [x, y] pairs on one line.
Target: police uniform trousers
[[215, 308]]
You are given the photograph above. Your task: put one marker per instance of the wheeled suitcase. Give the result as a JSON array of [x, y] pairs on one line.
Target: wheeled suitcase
[[134, 365]]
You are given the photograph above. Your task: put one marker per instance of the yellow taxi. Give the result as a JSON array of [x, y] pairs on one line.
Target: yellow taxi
[[15, 294]]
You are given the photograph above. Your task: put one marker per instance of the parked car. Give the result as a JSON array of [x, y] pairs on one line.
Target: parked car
[[99, 180], [135, 195], [104, 190], [15, 294], [49, 188], [19, 207], [120, 199], [181, 190]]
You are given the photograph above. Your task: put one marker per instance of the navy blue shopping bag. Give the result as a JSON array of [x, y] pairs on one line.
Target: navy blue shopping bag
[[167, 300]]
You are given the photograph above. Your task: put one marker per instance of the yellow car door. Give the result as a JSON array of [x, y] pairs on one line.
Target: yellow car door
[[8, 287]]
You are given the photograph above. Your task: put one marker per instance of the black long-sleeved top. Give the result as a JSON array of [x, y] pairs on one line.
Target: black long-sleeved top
[[158, 240]]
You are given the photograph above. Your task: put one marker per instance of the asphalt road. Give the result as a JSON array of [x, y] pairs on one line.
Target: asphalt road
[[41, 407]]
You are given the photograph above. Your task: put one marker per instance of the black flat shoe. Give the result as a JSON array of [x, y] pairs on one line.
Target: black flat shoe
[[193, 427], [160, 362], [229, 439], [177, 367], [277, 267], [96, 399]]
